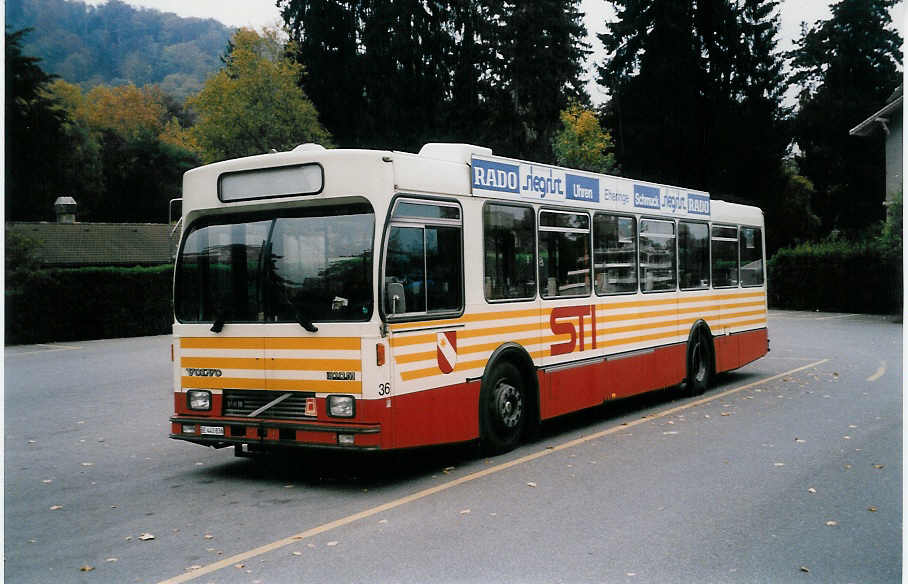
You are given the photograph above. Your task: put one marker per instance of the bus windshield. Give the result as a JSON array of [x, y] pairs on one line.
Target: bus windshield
[[305, 265]]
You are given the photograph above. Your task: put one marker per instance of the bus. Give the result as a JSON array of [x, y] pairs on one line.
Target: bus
[[381, 300]]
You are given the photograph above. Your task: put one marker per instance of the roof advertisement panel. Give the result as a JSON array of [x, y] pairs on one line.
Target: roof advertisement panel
[[514, 179]]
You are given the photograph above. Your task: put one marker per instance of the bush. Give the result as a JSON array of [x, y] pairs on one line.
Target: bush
[[69, 304], [838, 276]]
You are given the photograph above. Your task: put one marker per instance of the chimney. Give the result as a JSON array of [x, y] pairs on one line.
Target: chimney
[[65, 208]]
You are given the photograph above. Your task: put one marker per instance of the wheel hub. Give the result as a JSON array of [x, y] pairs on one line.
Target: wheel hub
[[509, 404]]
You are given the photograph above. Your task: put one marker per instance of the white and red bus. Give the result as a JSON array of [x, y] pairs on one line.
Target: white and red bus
[[365, 300]]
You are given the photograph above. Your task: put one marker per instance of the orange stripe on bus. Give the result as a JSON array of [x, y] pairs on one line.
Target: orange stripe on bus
[[272, 364], [602, 333], [315, 385], [222, 343], [494, 317], [476, 364], [312, 343]]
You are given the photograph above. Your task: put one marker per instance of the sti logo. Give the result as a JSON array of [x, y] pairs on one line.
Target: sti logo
[[561, 322], [496, 176]]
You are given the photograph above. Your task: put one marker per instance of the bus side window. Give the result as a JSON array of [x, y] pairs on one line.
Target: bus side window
[[751, 243], [405, 277], [509, 234], [693, 255], [424, 260], [725, 256], [564, 254], [657, 255], [615, 254]]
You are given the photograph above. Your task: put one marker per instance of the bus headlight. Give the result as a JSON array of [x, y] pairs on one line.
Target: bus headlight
[[341, 406], [198, 399]]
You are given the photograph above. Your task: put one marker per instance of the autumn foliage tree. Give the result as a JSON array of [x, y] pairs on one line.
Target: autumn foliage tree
[[582, 143], [254, 104]]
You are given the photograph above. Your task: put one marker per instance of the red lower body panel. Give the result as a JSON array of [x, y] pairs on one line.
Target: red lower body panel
[[450, 414]]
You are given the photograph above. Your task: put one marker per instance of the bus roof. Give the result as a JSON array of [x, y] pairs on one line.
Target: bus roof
[[441, 169]]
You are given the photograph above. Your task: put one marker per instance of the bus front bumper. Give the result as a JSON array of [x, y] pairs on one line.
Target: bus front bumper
[[271, 434]]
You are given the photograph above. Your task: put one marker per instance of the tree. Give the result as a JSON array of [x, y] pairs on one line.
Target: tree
[[847, 66], [399, 74], [34, 126], [541, 68], [696, 92], [582, 143], [253, 104]]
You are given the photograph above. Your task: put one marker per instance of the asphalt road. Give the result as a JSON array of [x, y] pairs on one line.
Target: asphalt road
[[788, 470]]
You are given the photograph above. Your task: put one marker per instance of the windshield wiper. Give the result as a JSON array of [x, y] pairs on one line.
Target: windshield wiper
[[220, 317], [304, 322]]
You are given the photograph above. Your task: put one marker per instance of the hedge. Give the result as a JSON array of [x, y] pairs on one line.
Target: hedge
[[69, 304], [837, 277]]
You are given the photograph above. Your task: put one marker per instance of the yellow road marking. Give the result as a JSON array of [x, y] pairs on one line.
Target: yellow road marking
[[881, 371], [50, 349], [344, 521]]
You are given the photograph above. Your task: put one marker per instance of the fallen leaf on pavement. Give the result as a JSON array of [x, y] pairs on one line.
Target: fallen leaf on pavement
[[86, 568]]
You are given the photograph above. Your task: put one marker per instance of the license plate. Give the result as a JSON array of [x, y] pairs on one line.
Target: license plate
[[212, 430]]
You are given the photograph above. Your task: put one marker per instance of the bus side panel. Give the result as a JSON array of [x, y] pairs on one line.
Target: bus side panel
[[726, 347], [739, 349], [752, 345], [437, 416], [569, 390], [665, 367]]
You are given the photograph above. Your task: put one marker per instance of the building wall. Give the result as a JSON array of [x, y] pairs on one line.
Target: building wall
[[894, 156]]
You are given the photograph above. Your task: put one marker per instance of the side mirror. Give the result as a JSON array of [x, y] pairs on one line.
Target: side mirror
[[394, 298]]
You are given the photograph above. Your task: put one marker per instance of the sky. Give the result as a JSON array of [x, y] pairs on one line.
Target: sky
[[263, 13]]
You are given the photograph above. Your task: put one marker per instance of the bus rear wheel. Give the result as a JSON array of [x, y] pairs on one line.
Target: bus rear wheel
[[503, 408], [699, 364]]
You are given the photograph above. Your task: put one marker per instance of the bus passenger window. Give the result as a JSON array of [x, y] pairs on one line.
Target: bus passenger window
[[725, 256], [657, 255], [615, 254], [424, 260], [751, 256], [693, 255], [405, 271], [564, 254], [509, 234]]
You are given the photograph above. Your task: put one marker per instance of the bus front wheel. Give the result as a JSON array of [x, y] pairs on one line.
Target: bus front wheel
[[503, 408]]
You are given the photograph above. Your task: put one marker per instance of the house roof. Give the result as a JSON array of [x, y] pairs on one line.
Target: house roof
[[97, 244], [867, 127]]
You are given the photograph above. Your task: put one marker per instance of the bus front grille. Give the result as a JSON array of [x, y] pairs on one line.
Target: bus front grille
[[241, 402]]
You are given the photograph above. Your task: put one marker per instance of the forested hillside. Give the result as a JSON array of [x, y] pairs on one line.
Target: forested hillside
[[115, 43]]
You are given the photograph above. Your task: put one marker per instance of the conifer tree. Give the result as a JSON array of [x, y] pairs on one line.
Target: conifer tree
[[847, 67]]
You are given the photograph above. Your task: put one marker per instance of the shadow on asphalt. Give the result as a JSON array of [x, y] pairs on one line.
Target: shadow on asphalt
[[359, 470]]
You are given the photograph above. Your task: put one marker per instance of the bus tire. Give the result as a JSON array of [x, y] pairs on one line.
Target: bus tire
[[504, 408], [699, 362]]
